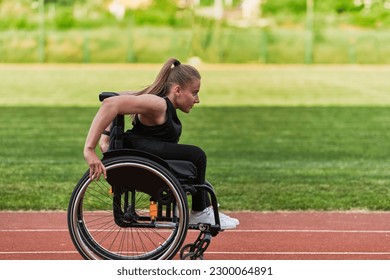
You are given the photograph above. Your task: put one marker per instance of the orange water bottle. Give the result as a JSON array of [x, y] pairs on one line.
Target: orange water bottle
[[153, 210]]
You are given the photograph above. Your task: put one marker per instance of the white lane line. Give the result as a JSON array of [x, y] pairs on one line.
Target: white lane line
[[213, 253], [299, 253], [33, 230], [37, 252], [311, 230], [236, 230]]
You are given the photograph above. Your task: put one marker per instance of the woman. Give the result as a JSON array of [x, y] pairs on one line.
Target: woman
[[156, 129]]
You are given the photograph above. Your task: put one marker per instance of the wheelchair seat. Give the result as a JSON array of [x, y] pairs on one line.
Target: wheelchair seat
[[184, 171]]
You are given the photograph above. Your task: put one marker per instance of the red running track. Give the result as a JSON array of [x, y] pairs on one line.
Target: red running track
[[261, 235]]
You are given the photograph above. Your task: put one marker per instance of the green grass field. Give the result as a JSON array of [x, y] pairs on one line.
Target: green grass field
[[277, 137]]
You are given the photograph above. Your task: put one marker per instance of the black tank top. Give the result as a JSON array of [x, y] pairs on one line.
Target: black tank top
[[169, 131]]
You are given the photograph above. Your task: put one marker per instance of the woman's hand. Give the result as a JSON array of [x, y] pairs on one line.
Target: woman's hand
[[96, 167]]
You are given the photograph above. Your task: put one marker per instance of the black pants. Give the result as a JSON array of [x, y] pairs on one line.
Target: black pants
[[172, 151]]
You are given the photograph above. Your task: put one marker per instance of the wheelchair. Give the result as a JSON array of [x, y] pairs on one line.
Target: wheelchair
[[140, 212]]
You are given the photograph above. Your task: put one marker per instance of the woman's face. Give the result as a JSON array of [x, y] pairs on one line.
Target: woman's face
[[187, 97]]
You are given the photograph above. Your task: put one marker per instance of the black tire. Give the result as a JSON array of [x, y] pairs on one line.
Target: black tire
[[110, 219]]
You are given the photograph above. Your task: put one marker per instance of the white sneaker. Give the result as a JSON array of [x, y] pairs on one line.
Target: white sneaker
[[236, 221], [222, 215], [207, 216]]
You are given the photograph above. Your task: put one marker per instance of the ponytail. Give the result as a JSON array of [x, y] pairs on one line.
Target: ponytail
[[172, 72]]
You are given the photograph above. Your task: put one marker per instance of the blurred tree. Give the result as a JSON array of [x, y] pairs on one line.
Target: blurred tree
[[161, 12], [287, 6], [64, 2]]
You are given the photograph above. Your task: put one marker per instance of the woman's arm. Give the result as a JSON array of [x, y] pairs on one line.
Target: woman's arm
[[150, 106]]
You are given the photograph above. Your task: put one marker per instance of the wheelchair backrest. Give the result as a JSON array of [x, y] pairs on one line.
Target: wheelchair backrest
[[117, 127]]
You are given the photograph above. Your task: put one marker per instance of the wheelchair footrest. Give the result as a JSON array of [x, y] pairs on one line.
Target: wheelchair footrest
[[195, 251]]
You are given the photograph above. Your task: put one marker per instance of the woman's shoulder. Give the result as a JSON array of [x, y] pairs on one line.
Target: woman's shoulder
[[141, 104], [155, 110]]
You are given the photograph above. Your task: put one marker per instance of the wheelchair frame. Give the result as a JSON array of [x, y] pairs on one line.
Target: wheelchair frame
[[141, 210]]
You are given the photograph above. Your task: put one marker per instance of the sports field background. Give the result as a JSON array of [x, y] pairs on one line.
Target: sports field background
[[277, 137]]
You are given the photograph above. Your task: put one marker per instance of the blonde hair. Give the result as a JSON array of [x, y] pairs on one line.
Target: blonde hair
[[172, 72]]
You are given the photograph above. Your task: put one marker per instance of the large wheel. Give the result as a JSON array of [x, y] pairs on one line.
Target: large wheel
[[139, 212]]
